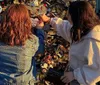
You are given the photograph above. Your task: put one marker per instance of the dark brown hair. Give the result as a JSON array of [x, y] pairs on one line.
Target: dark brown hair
[[83, 17], [15, 28]]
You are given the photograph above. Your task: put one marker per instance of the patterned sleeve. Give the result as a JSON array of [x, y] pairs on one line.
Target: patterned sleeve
[[31, 46]]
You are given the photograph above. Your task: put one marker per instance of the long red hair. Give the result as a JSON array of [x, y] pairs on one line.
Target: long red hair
[[15, 27]]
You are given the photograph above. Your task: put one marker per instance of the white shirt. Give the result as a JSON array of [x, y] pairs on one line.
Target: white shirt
[[0, 9], [84, 55]]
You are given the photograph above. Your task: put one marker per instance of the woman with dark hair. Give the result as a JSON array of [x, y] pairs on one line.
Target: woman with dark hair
[[82, 30], [17, 46]]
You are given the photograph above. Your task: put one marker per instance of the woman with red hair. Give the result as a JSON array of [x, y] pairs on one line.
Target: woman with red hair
[[17, 46]]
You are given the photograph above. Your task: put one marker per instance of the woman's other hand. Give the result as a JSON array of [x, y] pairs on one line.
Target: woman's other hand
[[67, 77]]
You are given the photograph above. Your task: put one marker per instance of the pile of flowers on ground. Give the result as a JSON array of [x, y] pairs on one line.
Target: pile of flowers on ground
[[55, 58]]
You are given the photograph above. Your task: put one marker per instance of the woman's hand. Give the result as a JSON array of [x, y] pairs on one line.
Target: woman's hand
[[40, 24], [67, 77], [45, 18], [34, 22]]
